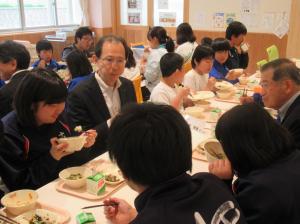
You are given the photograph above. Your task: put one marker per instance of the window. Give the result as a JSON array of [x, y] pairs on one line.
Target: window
[[28, 14], [134, 12]]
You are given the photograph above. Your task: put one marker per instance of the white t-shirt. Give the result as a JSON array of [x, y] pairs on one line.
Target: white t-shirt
[[195, 81], [130, 73], [186, 50], [162, 93]]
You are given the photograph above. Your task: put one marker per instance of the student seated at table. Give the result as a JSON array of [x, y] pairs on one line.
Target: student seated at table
[[31, 156], [151, 145], [219, 70], [197, 79], [168, 90], [264, 158], [160, 43], [79, 68], [44, 50], [186, 41]]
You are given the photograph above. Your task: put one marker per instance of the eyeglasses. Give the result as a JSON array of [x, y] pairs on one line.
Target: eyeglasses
[[90, 39], [110, 61]]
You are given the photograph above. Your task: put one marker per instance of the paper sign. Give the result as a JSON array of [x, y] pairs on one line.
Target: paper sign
[[167, 19], [218, 20]]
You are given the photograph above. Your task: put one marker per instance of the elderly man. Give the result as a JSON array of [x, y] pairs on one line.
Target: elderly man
[[96, 100], [14, 61], [280, 82]]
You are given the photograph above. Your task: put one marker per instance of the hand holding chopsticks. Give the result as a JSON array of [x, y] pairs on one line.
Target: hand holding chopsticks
[[101, 205]]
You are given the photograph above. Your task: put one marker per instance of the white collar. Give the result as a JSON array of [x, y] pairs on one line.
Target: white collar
[[104, 86], [7, 81]]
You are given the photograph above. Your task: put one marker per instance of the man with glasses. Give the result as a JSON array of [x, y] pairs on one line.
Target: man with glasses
[[83, 42], [95, 101]]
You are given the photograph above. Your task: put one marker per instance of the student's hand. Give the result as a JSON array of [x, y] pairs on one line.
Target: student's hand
[[57, 150], [234, 74], [221, 168], [183, 92], [211, 84], [188, 103], [91, 137], [42, 64], [123, 213], [246, 99]]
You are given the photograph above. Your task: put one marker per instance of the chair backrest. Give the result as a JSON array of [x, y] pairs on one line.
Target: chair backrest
[[137, 87], [187, 66], [137, 45], [272, 53], [261, 63]]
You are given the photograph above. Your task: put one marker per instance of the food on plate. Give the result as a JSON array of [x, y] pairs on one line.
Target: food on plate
[[39, 216], [96, 184], [78, 128], [201, 95], [74, 176], [112, 178], [223, 85]]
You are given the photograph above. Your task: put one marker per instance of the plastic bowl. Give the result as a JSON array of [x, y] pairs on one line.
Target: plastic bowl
[[74, 143], [195, 111], [18, 202], [214, 150], [243, 80], [77, 182], [225, 94]]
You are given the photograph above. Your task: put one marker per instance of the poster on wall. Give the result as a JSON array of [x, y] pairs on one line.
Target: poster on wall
[[163, 4], [134, 18], [134, 4], [218, 20], [167, 19]]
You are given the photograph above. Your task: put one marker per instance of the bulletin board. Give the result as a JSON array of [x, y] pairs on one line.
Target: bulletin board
[[261, 16]]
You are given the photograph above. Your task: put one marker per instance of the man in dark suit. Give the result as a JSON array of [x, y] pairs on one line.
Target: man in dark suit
[[95, 101], [280, 81], [14, 62]]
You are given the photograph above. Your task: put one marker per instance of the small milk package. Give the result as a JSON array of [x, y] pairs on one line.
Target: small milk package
[[85, 218], [96, 184]]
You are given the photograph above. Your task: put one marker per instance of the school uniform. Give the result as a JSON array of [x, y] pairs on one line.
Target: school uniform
[[271, 195], [52, 65], [25, 160], [67, 50], [236, 60], [2, 83], [220, 71], [186, 50], [75, 81], [201, 198], [152, 71], [195, 81]]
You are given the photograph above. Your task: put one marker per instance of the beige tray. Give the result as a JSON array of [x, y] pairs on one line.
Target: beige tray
[[199, 156], [64, 214], [82, 192], [229, 100]]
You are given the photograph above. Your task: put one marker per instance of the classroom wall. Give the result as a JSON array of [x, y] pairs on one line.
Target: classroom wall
[[293, 44]]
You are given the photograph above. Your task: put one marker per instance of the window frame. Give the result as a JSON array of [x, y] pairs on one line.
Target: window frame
[[23, 28]]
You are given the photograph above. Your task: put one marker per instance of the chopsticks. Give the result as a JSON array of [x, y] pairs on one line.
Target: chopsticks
[[245, 92], [102, 205], [8, 220]]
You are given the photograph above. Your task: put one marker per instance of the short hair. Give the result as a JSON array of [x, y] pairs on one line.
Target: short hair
[[161, 34], [37, 85], [43, 45], [220, 44], [78, 64], [184, 33], [206, 41], [169, 63], [201, 52], [251, 138], [235, 28], [150, 143], [11, 50], [283, 69], [82, 31], [111, 39]]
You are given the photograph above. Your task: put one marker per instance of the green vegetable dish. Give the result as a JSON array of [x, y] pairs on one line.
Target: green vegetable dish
[[75, 176]]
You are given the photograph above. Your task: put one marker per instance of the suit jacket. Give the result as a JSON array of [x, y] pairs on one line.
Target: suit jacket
[[7, 93], [86, 106], [292, 120]]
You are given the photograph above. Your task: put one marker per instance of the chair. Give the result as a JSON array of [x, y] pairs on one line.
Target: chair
[[187, 66], [137, 87], [137, 45], [273, 53], [261, 63]]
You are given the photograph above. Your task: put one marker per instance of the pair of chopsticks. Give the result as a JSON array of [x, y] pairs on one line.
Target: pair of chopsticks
[[102, 205], [245, 92], [7, 220]]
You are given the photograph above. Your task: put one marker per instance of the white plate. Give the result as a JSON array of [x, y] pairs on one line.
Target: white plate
[[202, 95], [46, 215], [223, 85]]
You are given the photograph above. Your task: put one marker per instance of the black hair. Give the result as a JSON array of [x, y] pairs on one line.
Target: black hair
[[37, 85], [150, 143], [283, 68], [220, 44], [1, 133], [201, 52], [235, 28], [184, 33], [109, 38], [78, 64], [82, 31], [43, 45], [11, 50], [130, 61], [169, 63], [251, 138], [161, 34], [206, 41]]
